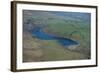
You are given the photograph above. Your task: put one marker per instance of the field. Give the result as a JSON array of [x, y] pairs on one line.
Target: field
[[72, 25]]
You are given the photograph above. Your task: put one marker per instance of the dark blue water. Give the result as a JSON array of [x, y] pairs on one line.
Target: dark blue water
[[37, 32]]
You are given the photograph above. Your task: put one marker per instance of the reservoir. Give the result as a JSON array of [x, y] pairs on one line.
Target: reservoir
[[38, 33]]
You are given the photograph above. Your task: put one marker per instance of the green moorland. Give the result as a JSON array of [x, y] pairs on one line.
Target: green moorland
[[35, 50]]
